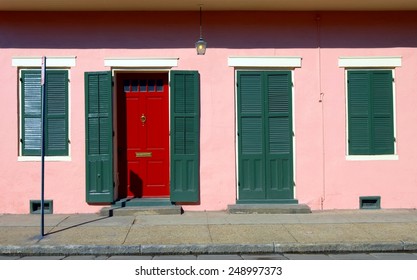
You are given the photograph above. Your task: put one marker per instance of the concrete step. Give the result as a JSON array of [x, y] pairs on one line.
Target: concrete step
[[269, 209], [141, 206], [141, 210]]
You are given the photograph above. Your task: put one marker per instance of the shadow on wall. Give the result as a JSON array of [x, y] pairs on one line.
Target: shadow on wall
[[149, 30]]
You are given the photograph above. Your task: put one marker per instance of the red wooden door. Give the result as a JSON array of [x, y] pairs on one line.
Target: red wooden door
[[143, 135]]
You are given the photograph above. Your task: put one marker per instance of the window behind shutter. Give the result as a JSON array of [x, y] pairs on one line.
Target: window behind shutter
[[185, 136]]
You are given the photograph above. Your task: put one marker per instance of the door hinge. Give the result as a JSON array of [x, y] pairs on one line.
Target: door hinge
[[21, 79], [395, 139]]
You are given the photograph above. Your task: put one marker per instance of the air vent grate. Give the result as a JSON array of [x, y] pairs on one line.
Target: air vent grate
[[370, 202], [36, 207]]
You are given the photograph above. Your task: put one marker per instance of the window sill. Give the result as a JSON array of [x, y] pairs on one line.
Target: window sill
[[371, 157], [48, 158]]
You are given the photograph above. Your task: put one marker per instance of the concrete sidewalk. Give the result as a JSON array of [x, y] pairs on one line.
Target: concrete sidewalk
[[211, 233]]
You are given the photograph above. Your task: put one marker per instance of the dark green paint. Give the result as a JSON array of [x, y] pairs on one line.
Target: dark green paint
[[185, 136], [265, 156], [370, 112], [56, 117], [99, 137]]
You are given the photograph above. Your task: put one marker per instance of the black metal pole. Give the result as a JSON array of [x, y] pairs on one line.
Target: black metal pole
[[43, 93]]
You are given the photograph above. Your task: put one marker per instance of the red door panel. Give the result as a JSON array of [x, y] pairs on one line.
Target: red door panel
[[143, 135]]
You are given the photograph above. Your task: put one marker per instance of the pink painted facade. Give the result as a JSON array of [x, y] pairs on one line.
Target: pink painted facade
[[325, 177]]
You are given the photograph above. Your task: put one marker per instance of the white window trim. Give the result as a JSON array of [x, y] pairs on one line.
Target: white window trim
[[22, 158], [370, 61], [51, 61], [371, 157], [265, 61], [162, 62]]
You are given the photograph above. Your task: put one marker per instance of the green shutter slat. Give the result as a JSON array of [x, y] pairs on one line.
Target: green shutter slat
[[99, 137], [252, 136], [57, 113], [370, 112], [185, 136]]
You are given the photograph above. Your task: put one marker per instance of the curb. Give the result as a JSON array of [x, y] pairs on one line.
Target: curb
[[68, 250]]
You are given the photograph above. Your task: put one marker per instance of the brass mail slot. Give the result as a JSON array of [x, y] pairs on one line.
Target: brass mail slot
[[144, 154]]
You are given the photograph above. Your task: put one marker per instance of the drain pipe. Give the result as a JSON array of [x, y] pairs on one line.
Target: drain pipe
[[321, 101]]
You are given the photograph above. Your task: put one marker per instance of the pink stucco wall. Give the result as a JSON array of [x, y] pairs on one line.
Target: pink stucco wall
[[324, 178]]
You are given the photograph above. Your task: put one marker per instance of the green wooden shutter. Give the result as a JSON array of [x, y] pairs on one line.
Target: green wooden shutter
[[251, 135], [31, 113], [185, 136], [278, 127], [382, 113], [370, 113], [99, 137], [56, 117], [56, 113]]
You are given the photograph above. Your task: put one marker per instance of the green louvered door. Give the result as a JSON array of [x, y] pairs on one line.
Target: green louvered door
[[99, 137], [185, 136], [265, 158]]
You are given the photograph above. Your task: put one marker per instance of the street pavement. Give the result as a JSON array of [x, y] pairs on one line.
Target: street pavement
[[353, 234]]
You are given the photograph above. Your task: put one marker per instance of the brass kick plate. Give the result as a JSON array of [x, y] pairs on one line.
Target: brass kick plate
[[144, 154]]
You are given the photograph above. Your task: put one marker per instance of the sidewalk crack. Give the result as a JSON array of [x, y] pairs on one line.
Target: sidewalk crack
[[289, 232], [208, 228], [128, 231]]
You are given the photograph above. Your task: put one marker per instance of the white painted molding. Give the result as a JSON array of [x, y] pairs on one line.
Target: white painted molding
[[163, 62], [47, 158], [264, 61], [370, 61], [369, 158], [51, 61]]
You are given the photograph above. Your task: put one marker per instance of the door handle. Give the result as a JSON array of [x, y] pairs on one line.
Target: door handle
[[143, 119]]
